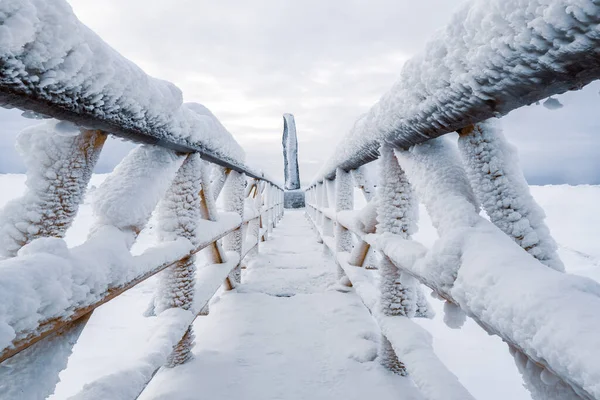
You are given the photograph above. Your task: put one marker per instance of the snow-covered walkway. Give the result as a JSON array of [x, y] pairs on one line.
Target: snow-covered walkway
[[289, 332]]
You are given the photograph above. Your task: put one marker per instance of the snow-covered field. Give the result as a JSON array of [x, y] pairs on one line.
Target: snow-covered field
[[118, 334]]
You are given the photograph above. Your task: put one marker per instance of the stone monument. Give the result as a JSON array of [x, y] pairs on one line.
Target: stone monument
[[293, 196]]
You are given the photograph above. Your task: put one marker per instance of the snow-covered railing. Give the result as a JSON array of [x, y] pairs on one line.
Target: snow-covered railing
[[49, 291], [51, 65], [495, 56], [504, 273]]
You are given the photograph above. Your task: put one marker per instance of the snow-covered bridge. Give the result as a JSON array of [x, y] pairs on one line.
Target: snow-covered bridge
[[293, 322]]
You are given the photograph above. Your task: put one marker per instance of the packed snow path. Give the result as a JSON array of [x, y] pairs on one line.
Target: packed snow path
[[288, 332]]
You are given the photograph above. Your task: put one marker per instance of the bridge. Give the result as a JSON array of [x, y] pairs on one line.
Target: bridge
[[347, 280]]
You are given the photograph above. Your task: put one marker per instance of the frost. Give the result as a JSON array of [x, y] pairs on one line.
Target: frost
[[128, 196], [178, 217], [396, 214], [493, 169], [233, 201], [59, 168], [436, 173], [50, 55], [492, 57]]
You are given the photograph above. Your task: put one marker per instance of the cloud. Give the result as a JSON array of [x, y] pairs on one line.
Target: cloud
[[325, 62]]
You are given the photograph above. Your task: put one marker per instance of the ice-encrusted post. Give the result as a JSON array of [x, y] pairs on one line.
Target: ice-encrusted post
[[208, 208], [264, 218], [218, 179], [318, 212], [60, 159], [328, 201], [362, 181], [344, 200], [396, 214], [254, 225], [270, 203], [492, 166], [129, 195], [178, 217], [439, 179], [234, 191]]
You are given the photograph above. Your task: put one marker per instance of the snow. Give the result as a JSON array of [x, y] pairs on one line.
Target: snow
[[20, 378], [492, 57], [171, 325], [325, 351], [493, 168], [554, 318], [49, 54], [131, 192], [436, 173], [290, 153], [233, 201], [396, 215], [59, 167], [403, 340], [118, 335], [178, 215]]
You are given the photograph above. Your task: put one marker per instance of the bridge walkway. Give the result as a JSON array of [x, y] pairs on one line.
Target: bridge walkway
[[288, 332]]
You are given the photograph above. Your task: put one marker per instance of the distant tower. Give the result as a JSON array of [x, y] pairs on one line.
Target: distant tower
[[293, 197], [290, 153]]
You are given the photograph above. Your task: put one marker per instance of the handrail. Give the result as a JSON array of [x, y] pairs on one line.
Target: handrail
[[533, 58], [99, 103]]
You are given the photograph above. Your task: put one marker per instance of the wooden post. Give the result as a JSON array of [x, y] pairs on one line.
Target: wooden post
[[496, 178], [218, 178], [208, 209], [344, 200], [234, 202], [178, 214], [328, 200], [395, 213], [59, 169]]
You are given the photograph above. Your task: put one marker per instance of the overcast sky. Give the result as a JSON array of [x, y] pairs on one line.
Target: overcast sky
[[326, 62]]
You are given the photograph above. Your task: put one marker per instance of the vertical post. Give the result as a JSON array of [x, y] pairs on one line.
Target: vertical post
[[264, 219], [493, 169], [361, 181], [234, 202], [396, 213], [178, 215], [257, 203], [58, 171], [270, 203], [344, 200], [208, 209], [218, 178], [328, 200]]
